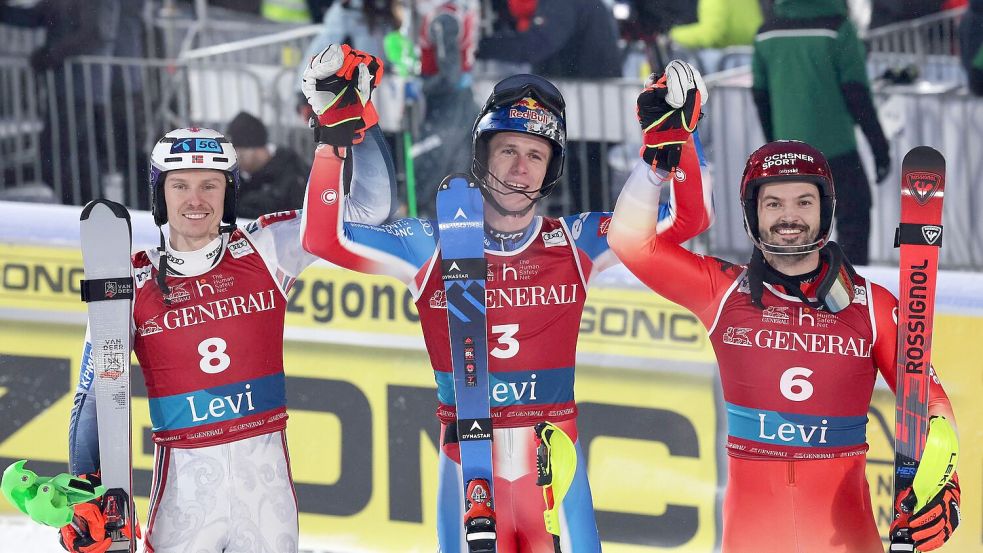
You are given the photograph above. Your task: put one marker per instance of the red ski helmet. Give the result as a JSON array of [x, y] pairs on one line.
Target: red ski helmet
[[787, 161]]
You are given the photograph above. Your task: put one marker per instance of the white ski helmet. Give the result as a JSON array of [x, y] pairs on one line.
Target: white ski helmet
[[193, 148]]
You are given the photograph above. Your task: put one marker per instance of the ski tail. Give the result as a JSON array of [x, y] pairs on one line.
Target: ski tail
[[919, 236]]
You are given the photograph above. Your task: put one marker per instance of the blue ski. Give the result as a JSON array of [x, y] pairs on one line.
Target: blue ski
[[460, 217]]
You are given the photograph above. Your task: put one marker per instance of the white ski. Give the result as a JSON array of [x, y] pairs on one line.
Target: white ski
[[108, 290]]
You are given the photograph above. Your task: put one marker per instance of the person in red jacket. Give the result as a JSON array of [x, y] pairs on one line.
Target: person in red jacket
[[800, 339]]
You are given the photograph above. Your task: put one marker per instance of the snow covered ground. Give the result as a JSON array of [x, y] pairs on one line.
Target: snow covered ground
[[18, 534]]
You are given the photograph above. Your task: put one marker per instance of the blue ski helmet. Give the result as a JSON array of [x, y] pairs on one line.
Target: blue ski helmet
[[527, 104]]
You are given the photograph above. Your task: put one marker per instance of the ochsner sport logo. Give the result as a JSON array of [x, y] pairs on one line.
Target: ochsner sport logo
[[785, 159]]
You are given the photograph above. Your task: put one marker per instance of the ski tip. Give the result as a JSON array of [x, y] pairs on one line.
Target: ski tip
[[446, 183], [118, 209], [925, 156]]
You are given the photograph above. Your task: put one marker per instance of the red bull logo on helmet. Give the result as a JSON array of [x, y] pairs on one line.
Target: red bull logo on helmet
[[528, 108]]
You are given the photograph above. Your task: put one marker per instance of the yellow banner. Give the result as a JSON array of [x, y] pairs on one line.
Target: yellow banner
[[363, 435]]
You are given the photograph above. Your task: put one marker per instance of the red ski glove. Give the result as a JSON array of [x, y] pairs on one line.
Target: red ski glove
[[87, 532], [338, 84], [668, 110], [934, 523]]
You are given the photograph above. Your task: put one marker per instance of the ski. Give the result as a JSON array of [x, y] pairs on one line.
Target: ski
[[108, 291], [919, 236], [464, 268]]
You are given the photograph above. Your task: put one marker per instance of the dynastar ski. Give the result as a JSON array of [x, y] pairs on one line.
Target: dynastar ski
[[919, 236], [463, 265], [108, 290]]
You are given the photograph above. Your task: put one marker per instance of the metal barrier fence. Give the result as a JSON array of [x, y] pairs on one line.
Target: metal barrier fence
[[39, 114], [85, 129], [932, 35]]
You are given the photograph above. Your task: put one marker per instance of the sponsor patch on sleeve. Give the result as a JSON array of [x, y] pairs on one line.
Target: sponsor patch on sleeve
[[602, 225]]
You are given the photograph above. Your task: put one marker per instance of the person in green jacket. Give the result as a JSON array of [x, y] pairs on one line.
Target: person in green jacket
[[810, 84], [720, 23]]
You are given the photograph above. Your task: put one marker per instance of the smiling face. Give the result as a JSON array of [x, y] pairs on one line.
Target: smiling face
[[519, 161], [195, 201], [788, 213]]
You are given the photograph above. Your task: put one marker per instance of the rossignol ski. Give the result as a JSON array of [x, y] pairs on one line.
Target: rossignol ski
[[919, 236], [108, 291], [464, 268]]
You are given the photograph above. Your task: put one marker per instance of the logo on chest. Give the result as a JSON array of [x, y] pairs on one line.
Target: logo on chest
[[150, 326], [178, 294], [214, 284]]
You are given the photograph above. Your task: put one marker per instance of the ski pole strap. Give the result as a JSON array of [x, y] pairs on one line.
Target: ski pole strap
[[101, 289], [918, 235]]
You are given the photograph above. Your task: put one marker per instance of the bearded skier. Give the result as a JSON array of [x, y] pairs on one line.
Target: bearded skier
[[800, 339]]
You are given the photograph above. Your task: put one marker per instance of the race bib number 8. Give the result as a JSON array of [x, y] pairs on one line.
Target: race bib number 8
[[213, 357]]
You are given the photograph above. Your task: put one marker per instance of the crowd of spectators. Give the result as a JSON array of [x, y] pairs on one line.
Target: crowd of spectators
[[559, 39]]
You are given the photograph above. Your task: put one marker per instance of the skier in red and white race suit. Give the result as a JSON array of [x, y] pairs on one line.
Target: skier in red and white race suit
[[800, 339], [207, 329], [538, 272]]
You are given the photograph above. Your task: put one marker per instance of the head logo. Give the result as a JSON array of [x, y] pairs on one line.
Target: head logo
[[922, 185], [329, 196]]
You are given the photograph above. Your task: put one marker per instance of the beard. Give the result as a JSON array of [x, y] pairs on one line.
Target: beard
[[807, 235]]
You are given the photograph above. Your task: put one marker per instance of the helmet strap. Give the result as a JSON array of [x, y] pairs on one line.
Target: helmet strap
[[486, 192], [162, 269], [834, 292]]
